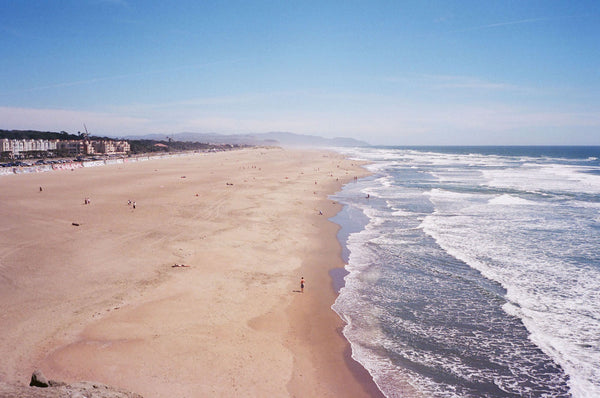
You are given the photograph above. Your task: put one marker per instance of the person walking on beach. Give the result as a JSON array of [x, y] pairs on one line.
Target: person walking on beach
[[302, 285]]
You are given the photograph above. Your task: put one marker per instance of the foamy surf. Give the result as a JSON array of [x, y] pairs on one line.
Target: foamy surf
[[476, 274]]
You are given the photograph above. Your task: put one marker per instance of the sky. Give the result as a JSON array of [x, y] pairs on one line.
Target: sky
[[423, 72]]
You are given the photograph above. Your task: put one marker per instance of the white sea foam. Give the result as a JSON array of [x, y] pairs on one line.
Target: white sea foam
[[544, 178], [510, 200], [546, 291], [402, 213]]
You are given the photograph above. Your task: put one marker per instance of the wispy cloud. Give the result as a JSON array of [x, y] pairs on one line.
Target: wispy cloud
[[468, 82], [121, 76], [444, 82], [255, 99], [516, 22]]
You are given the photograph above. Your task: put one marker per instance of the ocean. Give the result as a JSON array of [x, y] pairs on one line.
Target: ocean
[[474, 271]]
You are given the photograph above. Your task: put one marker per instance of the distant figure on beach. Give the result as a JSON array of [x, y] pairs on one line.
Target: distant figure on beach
[[41, 189], [129, 202], [302, 285], [86, 201], [134, 205]]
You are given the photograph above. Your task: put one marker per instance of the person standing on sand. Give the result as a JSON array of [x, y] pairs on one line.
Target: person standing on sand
[[302, 285]]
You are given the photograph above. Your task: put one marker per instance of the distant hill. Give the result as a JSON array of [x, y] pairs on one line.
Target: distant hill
[[274, 138]]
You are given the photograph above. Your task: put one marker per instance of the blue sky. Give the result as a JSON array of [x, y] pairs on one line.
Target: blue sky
[[388, 72]]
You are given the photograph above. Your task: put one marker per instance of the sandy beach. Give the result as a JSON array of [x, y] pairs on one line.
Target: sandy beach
[[90, 291]]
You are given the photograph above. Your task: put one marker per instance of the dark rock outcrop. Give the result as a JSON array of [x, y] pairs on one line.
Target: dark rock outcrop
[[38, 379], [40, 387]]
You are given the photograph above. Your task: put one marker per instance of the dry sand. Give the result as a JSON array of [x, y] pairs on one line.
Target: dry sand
[[101, 301]]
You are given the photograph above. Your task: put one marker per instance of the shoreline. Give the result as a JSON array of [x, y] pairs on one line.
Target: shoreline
[[337, 276], [88, 291], [323, 334]]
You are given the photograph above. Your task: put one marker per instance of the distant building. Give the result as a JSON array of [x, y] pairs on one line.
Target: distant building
[[72, 147], [110, 147], [5, 145], [21, 148]]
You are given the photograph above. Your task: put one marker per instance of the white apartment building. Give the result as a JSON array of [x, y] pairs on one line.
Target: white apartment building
[[19, 146]]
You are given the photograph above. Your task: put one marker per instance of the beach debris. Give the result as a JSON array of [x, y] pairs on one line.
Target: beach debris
[[179, 265], [75, 224], [229, 183]]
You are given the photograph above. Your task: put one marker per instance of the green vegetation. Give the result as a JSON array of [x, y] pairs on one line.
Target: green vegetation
[[150, 146]]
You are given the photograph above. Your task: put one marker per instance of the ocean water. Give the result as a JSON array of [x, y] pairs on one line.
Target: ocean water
[[474, 271]]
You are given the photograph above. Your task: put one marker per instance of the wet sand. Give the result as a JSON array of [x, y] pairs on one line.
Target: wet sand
[[102, 301]]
